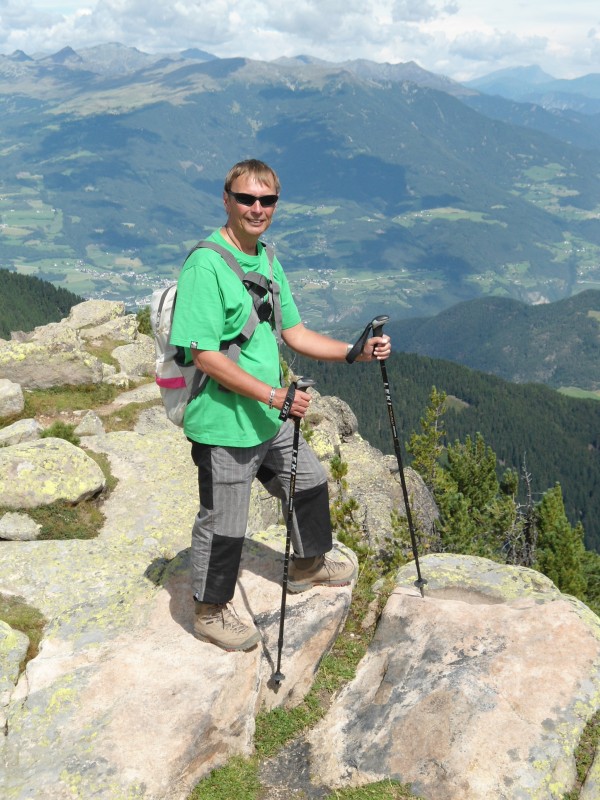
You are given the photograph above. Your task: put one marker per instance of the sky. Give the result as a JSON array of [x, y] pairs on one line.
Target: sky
[[462, 39]]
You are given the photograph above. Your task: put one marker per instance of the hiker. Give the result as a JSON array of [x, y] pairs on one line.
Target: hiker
[[234, 425]]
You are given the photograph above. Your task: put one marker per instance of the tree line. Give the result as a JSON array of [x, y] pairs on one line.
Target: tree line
[[27, 301], [555, 438]]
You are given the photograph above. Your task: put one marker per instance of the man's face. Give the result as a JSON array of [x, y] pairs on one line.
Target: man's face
[[248, 221]]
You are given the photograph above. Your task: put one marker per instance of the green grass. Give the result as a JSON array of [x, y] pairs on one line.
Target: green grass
[[54, 400], [236, 781], [383, 790], [24, 618], [585, 753], [125, 417], [61, 430]]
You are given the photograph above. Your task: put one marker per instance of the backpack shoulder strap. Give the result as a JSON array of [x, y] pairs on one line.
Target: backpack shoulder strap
[[275, 294]]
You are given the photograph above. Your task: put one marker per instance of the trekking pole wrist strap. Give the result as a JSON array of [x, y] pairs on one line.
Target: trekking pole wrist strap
[[287, 403], [356, 349]]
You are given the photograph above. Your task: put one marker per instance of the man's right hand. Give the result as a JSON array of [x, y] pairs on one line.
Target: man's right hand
[[299, 406]]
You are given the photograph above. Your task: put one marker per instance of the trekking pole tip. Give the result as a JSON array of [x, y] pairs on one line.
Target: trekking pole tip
[[420, 584], [278, 677]]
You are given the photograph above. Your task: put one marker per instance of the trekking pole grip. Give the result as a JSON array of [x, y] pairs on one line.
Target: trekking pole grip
[[376, 326], [299, 383]]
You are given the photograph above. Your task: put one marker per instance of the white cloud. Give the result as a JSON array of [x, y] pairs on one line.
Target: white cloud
[[458, 37]]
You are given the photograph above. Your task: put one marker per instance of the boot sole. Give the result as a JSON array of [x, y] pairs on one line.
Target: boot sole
[[297, 588]]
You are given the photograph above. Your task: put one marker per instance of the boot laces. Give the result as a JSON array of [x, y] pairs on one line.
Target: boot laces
[[228, 618]]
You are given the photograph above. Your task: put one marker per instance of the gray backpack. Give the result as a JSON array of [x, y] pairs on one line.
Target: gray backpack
[[179, 380]]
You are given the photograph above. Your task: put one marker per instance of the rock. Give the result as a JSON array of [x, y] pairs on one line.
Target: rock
[[90, 425], [23, 430], [18, 527], [118, 379], [11, 398], [93, 313], [52, 360], [133, 704], [142, 394], [137, 358], [153, 419], [38, 473], [480, 690], [122, 329], [331, 422], [378, 492]]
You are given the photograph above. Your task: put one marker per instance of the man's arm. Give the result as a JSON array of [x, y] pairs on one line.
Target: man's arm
[[315, 345], [227, 373]]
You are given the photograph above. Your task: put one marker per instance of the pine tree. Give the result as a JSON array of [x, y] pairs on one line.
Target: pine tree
[[426, 447], [560, 550]]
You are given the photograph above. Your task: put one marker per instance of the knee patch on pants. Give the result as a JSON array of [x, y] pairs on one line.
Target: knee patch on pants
[[311, 508]]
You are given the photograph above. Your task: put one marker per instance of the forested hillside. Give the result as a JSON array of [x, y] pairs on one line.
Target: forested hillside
[[553, 343], [27, 301], [556, 437]]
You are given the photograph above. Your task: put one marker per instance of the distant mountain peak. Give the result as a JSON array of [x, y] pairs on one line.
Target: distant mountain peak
[[19, 55], [67, 54], [197, 54]]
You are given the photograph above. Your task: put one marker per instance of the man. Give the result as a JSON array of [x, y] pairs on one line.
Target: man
[[234, 423]]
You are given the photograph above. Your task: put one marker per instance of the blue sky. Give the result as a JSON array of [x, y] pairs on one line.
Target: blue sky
[[458, 38]]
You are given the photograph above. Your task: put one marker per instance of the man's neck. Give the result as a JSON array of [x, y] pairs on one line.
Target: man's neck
[[247, 245]]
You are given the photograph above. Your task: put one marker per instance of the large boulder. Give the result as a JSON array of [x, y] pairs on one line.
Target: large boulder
[[92, 313], [40, 472], [54, 358], [480, 690]]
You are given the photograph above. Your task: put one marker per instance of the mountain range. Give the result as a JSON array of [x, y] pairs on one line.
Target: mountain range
[[557, 344], [403, 192]]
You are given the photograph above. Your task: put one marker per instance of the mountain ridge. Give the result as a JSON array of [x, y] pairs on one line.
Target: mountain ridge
[[557, 344], [395, 194]]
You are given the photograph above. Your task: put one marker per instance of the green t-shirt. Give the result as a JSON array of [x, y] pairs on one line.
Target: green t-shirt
[[213, 306]]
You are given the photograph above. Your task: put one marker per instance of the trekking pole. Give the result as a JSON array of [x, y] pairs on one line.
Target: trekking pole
[[302, 384], [377, 327]]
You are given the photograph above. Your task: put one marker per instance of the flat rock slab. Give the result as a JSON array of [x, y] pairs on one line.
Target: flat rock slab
[[479, 690], [122, 701]]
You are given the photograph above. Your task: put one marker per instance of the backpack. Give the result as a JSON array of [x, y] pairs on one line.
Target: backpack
[[180, 381]]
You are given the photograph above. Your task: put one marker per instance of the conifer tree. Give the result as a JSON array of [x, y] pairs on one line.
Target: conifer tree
[[426, 447], [560, 549]]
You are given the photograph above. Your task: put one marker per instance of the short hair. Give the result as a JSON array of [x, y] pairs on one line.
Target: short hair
[[257, 169]]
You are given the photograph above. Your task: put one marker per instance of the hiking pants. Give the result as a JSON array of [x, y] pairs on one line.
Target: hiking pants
[[225, 476]]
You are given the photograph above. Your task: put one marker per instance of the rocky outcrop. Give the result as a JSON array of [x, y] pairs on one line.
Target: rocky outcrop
[[56, 354], [478, 690]]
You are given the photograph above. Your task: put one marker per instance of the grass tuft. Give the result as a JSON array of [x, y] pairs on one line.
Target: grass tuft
[[24, 618]]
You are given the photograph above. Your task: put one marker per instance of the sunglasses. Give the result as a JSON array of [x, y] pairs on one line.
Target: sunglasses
[[266, 201]]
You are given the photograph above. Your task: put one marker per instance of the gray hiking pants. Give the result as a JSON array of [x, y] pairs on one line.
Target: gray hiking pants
[[225, 476]]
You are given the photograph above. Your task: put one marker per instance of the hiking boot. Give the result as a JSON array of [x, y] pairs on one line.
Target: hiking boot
[[320, 571], [219, 624]]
